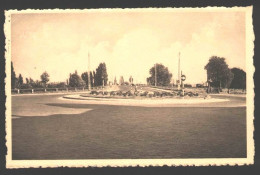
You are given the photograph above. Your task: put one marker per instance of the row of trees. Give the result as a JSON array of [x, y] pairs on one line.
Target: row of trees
[[219, 75], [18, 82], [96, 78]]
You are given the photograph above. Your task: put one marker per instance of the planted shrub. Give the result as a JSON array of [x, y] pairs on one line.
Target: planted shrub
[[145, 93], [100, 93], [142, 94], [136, 93], [190, 94], [129, 93], [163, 94], [93, 92], [120, 93], [156, 94], [170, 94], [150, 94], [112, 93]]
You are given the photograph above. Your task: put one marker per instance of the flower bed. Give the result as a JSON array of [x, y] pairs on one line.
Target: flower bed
[[144, 94]]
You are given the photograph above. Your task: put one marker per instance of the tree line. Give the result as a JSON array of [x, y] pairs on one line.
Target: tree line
[[99, 77], [96, 78], [19, 83], [219, 75]]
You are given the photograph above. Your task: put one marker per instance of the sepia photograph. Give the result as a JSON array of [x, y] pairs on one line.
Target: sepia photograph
[[129, 87]]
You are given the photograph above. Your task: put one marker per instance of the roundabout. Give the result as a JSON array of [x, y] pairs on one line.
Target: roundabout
[[143, 96], [142, 101], [76, 121]]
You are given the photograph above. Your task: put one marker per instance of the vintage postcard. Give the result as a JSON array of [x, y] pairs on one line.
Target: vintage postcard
[[129, 87]]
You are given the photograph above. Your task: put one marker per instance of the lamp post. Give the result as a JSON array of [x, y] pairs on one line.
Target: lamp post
[[179, 76], [183, 78]]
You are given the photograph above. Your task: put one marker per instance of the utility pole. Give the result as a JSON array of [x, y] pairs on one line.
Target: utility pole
[[179, 67], [89, 83], [155, 69]]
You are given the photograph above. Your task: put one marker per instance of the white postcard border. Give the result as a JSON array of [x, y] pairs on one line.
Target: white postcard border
[[136, 162]]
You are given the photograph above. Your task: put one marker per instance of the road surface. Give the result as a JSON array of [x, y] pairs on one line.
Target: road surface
[[48, 127]]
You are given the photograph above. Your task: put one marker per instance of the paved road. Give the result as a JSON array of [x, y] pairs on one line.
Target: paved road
[[47, 127]]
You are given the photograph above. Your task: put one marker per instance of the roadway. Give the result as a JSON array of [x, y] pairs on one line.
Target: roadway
[[49, 127]]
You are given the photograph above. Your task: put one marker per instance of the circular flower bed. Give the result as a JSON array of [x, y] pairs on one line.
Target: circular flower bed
[[147, 94]]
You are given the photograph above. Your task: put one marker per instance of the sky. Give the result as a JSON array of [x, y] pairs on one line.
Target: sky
[[129, 42]]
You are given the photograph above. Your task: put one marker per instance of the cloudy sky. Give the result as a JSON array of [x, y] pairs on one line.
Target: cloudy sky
[[129, 42]]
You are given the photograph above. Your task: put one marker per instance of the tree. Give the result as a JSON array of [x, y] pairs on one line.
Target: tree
[[27, 81], [20, 81], [121, 81], [75, 80], [227, 79], [25, 85], [94, 78], [239, 81], [13, 77], [38, 84], [131, 80], [57, 85], [149, 80], [84, 77], [163, 75], [218, 72], [31, 82], [91, 79], [101, 75], [45, 78]]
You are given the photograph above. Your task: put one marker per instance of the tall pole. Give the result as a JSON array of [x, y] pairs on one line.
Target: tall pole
[[179, 67], [89, 83], [155, 69], [182, 86]]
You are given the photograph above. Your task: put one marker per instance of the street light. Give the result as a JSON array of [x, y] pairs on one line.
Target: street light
[[183, 78]]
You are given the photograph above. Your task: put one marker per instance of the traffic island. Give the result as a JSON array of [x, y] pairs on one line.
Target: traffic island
[[145, 98]]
